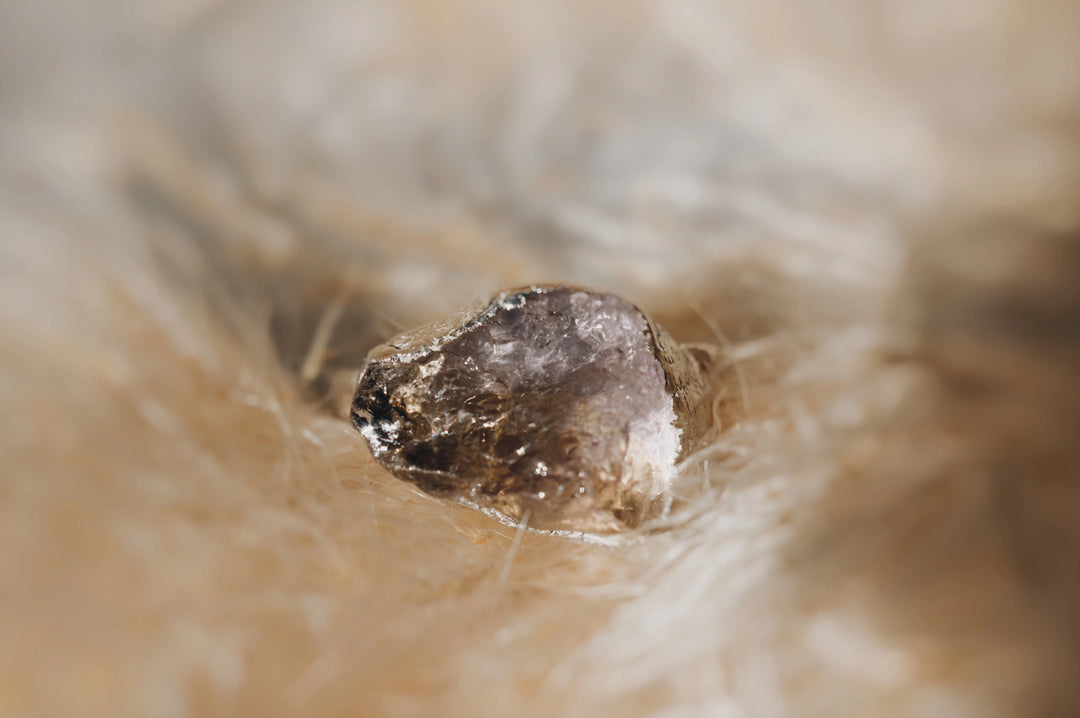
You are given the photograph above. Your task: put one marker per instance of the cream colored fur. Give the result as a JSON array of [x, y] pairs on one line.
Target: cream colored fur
[[210, 210]]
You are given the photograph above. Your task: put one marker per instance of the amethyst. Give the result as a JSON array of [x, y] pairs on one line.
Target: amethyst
[[566, 408]]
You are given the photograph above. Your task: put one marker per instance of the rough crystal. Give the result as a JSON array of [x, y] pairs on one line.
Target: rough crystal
[[559, 406]]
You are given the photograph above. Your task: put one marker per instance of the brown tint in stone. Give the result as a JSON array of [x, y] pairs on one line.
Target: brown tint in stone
[[565, 404]]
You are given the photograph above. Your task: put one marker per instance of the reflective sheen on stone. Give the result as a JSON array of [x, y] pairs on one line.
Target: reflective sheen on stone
[[561, 406]]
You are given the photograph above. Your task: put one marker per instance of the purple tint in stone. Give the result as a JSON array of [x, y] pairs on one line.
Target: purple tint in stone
[[563, 406]]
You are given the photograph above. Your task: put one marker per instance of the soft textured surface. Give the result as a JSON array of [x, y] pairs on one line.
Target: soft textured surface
[[210, 211]]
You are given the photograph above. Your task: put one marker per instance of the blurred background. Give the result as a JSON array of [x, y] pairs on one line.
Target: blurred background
[[345, 148], [210, 210]]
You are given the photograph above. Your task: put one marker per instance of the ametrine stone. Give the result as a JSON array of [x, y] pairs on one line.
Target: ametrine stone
[[566, 408]]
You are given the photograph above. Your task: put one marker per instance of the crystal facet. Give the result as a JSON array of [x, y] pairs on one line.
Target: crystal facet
[[560, 406]]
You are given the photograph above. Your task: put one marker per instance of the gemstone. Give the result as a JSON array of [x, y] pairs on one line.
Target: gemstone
[[563, 408]]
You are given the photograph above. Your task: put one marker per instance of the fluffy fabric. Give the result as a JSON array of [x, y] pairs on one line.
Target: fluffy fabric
[[210, 211]]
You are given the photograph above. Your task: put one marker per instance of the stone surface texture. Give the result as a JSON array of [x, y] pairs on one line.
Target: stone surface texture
[[561, 407]]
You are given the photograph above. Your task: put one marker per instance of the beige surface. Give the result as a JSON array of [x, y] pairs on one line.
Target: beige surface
[[872, 206]]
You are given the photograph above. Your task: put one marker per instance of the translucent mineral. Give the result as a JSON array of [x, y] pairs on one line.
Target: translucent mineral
[[564, 408]]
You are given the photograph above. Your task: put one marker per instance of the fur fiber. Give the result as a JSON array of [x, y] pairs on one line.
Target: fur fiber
[[210, 210]]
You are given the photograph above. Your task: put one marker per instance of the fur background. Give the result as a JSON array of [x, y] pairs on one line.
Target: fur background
[[210, 211]]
